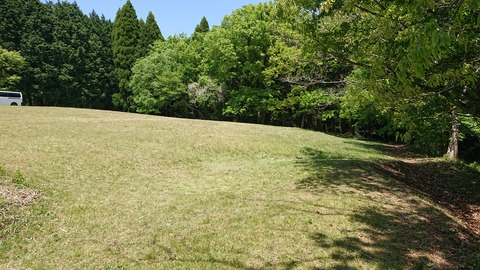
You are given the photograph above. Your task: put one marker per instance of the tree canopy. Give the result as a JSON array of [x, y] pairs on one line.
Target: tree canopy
[[11, 65], [415, 64]]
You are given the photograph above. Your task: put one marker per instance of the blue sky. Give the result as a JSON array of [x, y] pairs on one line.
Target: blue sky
[[173, 17]]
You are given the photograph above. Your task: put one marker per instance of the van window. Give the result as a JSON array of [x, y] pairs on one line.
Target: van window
[[14, 95]]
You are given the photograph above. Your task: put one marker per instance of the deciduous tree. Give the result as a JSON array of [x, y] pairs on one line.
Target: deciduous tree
[[416, 62], [11, 68]]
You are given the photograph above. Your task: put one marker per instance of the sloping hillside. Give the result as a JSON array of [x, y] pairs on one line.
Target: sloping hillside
[[123, 191]]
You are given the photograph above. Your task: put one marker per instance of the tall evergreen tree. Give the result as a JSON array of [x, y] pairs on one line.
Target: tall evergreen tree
[[125, 39], [100, 84], [143, 49], [36, 45], [203, 27], [153, 32], [70, 45], [149, 33]]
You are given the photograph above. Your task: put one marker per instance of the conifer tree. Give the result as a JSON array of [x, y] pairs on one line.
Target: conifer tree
[[141, 29], [100, 83], [203, 27], [125, 39], [34, 35], [153, 32], [149, 33], [68, 55]]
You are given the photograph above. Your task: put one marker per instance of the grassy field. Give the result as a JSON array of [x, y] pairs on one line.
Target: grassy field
[[111, 190]]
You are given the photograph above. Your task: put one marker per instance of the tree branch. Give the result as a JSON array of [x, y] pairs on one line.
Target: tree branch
[[369, 11], [351, 62], [309, 81]]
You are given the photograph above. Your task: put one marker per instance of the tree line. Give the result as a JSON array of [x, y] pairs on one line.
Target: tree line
[[394, 70], [67, 57]]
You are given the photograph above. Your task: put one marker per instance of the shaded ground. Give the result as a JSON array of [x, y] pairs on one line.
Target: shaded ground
[[451, 185], [406, 232]]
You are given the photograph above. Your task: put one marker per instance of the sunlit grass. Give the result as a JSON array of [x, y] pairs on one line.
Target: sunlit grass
[[137, 191]]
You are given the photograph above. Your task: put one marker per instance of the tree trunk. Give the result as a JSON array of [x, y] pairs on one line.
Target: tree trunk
[[452, 151]]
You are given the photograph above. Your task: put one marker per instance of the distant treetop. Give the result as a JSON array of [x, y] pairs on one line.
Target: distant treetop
[[203, 27]]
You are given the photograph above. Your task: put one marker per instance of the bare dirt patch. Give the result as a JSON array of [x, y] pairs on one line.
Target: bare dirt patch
[[13, 195], [14, 203]]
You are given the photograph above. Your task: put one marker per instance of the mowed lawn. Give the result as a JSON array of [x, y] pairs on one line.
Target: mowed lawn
[[130, 191]]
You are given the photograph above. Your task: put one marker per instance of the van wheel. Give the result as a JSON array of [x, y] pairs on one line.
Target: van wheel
[[14, 104]]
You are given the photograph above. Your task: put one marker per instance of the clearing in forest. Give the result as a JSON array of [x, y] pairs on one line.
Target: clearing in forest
[[114, 190]]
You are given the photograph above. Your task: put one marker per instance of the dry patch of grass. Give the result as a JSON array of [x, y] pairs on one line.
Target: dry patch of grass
[[16, 200], [142, 192], [13, 195]]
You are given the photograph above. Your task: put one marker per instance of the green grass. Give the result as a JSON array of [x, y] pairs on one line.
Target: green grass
[[129, 191]]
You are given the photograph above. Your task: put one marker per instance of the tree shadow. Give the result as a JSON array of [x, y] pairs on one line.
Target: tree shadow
[[391, 150], [406, 232]]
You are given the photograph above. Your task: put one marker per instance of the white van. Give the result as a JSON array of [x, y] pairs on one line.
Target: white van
[[11, 98]]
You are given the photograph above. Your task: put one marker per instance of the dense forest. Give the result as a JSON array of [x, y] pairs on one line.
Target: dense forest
[[393, 70]]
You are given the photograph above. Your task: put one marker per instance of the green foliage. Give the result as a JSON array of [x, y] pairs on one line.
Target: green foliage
[[418, 59], [237, 54], [220, 58], [206, 96], [11, 24], [68, 58], [70, 47], [153, 31], [310, 108], [126, 50], [157, 78], [249, 31], [101, 83], [149, 33], [248, 103], [202, 28], [18, 179], [35, 43], [391, 70], [11, 67], [471, 123], [247, 69], [284, 63]]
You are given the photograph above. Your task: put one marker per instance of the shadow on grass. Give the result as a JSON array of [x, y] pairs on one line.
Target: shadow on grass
[[392, 150], [404, 233]]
